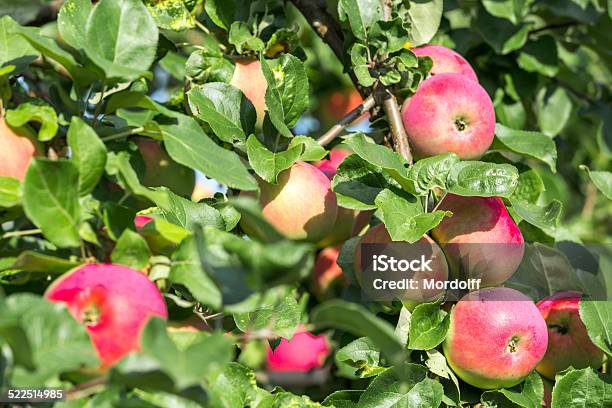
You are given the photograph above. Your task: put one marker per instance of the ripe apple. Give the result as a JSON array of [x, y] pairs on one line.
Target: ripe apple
[[301, 206], [249, 78], [326, 272], [161, 170], [449, 113], [568, 341], [114, 303], [17, 147], [446, 61], [348, 222], [303, 352], [425, 246], [141, 220], [496, 338], [480, 240]]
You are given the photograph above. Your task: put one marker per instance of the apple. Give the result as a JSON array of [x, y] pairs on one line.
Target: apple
[[568, 341], [161, 170], [114, 303], [303, 352], [425, 246], [249, 78], [17, 147], [496, 338], [446, 61], [449, 113], [301, 205], [348, 222], [141, 220], [326, 272], [480, 240], [340, 103]]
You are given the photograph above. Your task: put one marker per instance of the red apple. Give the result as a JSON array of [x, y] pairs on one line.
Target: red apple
[[301, 206], [449, 113], [141, 220], [496, 338], [348, 222], [340, 103], [480, 240], [161, 170], [425, 246], [446, 61], [17, 147], [326, 272], [114, 303], [568, 341], [303, 352], [249, 78]]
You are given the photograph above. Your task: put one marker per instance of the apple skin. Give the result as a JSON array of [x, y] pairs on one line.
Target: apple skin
[[161, 170], [17, 148], [496, 338], [348, 222], [568, 340], [118, 300], [480, 240], [249, 78], [446, 61], [449, 113], [380, 235], [326, 272], [301, 206], [302, 353], [141, 220]]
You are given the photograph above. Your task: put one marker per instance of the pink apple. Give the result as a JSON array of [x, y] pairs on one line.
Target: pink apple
[[114, 303], [496, 338], [249, 78], [141, 220], [568, 341], [303, 352], [446, 61], [449, 113], [301, 206], [17, 147], [326, 272], [480, 240]]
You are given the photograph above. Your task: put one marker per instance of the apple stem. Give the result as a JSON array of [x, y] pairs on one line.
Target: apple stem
[[21, 233], [368, 104], [398, 133]]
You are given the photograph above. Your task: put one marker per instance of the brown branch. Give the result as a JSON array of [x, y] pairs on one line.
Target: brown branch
[[398, 133], [349, 118]]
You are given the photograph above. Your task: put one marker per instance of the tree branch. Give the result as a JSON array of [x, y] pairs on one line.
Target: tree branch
[[398, 133], [349, 118]]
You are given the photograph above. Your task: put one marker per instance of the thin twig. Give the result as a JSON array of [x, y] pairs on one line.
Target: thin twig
[[123, 134], [349, 118], [398, 133], [439, 201], [21, 233], [86, 388]]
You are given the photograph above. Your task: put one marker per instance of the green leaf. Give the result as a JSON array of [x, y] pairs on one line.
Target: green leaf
[[511, 10], [251, 214], [404, 216], [88, 154], [31, 261], [546, 218], [475, 178], [187, 270], [530, 186], [267, 164], [500, 34], [35, 111], [360, 60], [235, 387], [221, 12], [14, 48], [531, 144], [406, 386], [187, 214], [343, 399], [131, 250], [242, 38], [582, 388], [229, 113], [10, 192], [425, 17], [597, 317], [287, 93], [362, 354], [312, 151], [50, 200], [360, 322], [187, 144], [170, 14], [428, 326], [527, 395], [553, 108], [209, 65], [71, 21], [602, 180], [540, 56], [281, 318], [431, 172], [362, 14], [121, 38]]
